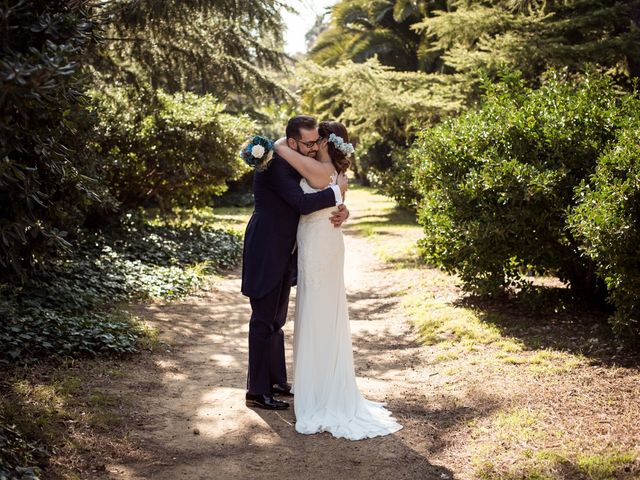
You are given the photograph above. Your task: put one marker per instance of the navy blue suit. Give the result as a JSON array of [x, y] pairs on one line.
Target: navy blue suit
[[268, 266]]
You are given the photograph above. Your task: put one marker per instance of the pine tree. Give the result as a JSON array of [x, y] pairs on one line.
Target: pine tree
[[476, 38], [533, 35], [222, 47], [382, 108]]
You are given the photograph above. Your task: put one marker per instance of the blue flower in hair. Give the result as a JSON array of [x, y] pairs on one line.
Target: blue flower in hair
[[341, 145]]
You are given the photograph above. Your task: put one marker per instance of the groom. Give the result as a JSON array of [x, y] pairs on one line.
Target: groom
[[270, 263]]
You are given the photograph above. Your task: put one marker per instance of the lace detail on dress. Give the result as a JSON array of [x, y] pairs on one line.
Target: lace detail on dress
[[306, 188]]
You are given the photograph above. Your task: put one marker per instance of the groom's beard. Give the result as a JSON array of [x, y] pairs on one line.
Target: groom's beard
[[310, 153]]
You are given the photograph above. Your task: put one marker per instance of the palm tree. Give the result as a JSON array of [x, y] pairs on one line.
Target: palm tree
[[362, 29]]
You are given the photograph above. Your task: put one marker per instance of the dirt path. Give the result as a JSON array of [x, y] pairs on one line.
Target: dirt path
[[496, 395], [193, 423]]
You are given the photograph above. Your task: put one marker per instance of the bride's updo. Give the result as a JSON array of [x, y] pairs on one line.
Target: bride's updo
[[338, 158]]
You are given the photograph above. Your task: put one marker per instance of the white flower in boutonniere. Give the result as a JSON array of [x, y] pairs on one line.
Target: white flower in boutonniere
[[257, 151]]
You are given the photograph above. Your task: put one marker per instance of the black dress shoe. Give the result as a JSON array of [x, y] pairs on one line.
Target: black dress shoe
[[283, 389], [265, 401]]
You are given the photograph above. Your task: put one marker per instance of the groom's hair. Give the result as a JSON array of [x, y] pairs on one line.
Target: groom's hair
[[297, 123]]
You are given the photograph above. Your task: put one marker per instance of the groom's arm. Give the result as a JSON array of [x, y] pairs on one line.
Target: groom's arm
[[287, 187]]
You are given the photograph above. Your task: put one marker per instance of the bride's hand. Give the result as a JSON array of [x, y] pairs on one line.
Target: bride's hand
[[340, 215]]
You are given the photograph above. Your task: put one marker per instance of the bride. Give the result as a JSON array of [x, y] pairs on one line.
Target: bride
[[327, 398]]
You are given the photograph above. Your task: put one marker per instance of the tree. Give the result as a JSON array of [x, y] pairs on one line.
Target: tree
[[169, 76], [221, 47], [362, 29], [531, 36], [382, 109], [319, 26]]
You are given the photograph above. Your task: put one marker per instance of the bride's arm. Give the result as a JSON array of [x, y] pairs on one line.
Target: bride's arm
[[318, 174]]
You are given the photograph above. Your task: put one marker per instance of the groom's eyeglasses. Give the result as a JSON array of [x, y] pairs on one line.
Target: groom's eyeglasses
[[310, 144]]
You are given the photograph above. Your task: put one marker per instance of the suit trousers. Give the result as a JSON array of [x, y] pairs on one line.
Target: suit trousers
[[266, 338]]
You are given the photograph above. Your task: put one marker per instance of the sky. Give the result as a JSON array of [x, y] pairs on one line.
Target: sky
[[298, 25]]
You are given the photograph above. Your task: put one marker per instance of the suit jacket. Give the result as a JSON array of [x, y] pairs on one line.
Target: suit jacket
[[270, 236]]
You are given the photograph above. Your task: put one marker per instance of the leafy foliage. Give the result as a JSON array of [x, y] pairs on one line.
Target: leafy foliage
[[382, 109], [45, 173], [606, 222], [178, 149], [532, 36], [148, 146], [476, 39], [16, 453], [69, 309], [461, 41], [498, 183], [222, 47], [361, 30], [153, 131]]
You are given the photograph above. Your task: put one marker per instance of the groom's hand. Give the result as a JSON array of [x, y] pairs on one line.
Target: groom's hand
[[340, 215]]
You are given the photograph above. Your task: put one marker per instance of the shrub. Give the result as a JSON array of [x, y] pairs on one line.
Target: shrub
[[167, 150], [499, 182], [606, 222], [45, 184]]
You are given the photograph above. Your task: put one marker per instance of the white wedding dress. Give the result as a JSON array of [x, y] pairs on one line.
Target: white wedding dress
[[327, 398]]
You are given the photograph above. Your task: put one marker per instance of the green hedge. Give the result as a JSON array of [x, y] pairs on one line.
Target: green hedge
[[499, 185], [164, 149], [607, 221]]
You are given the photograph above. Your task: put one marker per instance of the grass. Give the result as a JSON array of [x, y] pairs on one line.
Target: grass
[[511, 444], [516, 452], [553, 465], [555, 413], [605, 465], [519, 423], [57, 407], [436, 322], [233, 218]]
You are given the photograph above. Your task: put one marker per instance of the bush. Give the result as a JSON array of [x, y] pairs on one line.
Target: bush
[[167, 150], [606, 222], [45, 184], [498, 183], [72, 308]]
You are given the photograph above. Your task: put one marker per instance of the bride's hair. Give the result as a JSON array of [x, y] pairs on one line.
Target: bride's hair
[[338, 158]]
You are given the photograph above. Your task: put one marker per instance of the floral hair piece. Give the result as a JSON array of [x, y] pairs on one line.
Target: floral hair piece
[[340, 144]]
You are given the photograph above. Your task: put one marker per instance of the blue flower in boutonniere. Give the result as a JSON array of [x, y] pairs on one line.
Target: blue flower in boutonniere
[[257, 152]]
